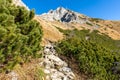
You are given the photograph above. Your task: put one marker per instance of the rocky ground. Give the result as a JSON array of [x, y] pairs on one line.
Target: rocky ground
[[51, 64], [55, 68]]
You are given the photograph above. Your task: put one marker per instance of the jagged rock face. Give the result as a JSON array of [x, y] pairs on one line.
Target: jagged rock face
[[64, 15], [20, 3]]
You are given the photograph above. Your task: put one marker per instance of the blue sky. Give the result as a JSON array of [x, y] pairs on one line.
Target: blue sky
[[105, 9]]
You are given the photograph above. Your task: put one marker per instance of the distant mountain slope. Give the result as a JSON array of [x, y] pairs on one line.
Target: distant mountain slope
[[68, 19]]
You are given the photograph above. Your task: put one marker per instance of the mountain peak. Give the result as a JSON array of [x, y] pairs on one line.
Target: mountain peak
[[61, 9], [64, 15]]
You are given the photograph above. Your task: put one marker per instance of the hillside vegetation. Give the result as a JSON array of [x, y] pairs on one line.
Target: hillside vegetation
[[20, 35], [96, 53]]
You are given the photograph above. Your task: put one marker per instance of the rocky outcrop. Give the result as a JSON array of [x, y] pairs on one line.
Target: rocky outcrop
[[64, 15], [55, 68], [20, 3], [116, 68]]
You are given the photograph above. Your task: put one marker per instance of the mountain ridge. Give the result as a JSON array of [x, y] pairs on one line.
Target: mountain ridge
[[64, 15]]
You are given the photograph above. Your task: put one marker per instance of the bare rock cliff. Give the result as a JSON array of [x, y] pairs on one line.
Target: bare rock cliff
[[64, 15]]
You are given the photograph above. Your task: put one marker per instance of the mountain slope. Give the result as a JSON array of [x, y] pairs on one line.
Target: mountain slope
[[51, 33], [68, 19]]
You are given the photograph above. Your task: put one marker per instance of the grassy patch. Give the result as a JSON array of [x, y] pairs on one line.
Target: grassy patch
[[39, 74]]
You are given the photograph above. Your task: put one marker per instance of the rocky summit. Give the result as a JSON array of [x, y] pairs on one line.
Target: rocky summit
[[64, 15]]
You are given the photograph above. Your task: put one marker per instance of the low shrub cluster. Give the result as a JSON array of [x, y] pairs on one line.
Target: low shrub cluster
[[95, 53]]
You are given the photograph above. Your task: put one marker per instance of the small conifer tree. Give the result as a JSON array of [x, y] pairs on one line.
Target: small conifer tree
[[20, 35]]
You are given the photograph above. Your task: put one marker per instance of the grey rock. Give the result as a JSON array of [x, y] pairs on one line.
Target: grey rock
[[55, 68], [48, 64], [116, 68], [46, 71], [48, 49], [65, 69], [65, 78], [71, 75], [64, 15]]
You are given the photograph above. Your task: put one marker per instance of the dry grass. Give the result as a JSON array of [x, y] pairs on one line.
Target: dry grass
[[28, 71], [51, 33], [111, 28]]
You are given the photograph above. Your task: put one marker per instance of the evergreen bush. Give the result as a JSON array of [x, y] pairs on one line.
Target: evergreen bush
[[96, 56], [20, 35]]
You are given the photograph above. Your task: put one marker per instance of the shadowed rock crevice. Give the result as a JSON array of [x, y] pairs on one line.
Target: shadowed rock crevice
[[68, 17]]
